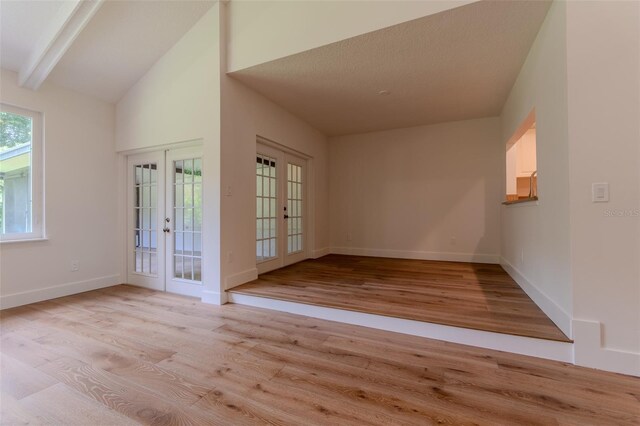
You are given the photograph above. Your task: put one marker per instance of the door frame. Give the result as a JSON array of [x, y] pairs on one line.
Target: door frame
[[308, 207]]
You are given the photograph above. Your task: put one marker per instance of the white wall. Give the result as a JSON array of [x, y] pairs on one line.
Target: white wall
[[603, 40], [178, 100], [535, 236], [261, 31], [81, 199], [408, 192], [246, 115]]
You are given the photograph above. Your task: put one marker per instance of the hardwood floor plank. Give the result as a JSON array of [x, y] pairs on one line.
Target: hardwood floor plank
[[476, 296], [298, 342], [123, 395], [578, 402], [90, 360], [13, 413], [25, 349], [20, 380], [352, 394], [303, 406], [61, 405]]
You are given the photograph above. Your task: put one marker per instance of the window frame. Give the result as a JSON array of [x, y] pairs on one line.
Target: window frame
[[37, 175]]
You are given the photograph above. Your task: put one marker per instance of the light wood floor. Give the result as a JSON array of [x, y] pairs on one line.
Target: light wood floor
[[126, 355], [469, 295]]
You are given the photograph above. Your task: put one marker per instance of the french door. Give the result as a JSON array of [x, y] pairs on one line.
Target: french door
[[280, 208], [164, 225]]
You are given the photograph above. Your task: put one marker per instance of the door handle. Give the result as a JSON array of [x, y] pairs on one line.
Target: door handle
[[166, 230], [286, 216]]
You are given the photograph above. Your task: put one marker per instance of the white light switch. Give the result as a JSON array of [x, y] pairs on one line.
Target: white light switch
[[600, 192]]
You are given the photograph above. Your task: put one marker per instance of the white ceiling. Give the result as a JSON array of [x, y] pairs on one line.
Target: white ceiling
[[455, 65], [21, 24], [121, 42], [112, 52]]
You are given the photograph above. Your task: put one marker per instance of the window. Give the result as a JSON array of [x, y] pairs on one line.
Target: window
[[522, 168], [20, 174]]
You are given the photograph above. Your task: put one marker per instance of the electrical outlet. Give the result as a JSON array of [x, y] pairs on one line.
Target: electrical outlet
[[348, 236], [75, 265], [522, 257], [230, 257], [453, 241]]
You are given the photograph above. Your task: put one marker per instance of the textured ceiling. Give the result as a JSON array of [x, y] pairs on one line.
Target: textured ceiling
[[455, 65], [21, 26], [121, 42]]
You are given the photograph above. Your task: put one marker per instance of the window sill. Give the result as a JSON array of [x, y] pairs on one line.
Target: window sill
[[521, 201], [24, 240]]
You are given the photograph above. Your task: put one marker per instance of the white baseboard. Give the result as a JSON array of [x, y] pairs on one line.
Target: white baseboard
[[420, 255], [558, 351], [590, 352], [320, 252], [53, 292], [544, 302], [240, 278]]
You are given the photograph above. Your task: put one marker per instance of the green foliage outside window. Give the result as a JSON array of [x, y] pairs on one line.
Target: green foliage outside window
[[15, 130]]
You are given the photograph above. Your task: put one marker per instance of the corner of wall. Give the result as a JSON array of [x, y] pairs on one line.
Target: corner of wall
[[214, 297], [560, 318], [240, 278], [317, 253]]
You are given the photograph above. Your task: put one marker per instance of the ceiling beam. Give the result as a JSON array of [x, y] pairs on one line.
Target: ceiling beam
[[56, 40]]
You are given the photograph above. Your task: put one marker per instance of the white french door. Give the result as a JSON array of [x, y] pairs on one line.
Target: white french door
[[164, 224], [280, 208], [184, 222], [146, 244]]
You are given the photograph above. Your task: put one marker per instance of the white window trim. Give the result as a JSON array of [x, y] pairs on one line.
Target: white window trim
[[37, 177]]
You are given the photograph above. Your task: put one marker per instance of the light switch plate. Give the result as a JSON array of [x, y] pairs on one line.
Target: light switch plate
[[600, 192]]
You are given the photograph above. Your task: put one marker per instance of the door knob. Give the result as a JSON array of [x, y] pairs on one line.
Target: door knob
[[166, 230]]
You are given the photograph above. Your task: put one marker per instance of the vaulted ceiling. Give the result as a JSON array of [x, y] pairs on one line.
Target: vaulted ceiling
[[97, 47]]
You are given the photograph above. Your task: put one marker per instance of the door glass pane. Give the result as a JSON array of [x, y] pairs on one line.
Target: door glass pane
[[295, 207], [177, 266], [197, 170], [266, 211], [197, 244], [153, 269], [177, 237], [197, 268], [145, 205], [187, 224]]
